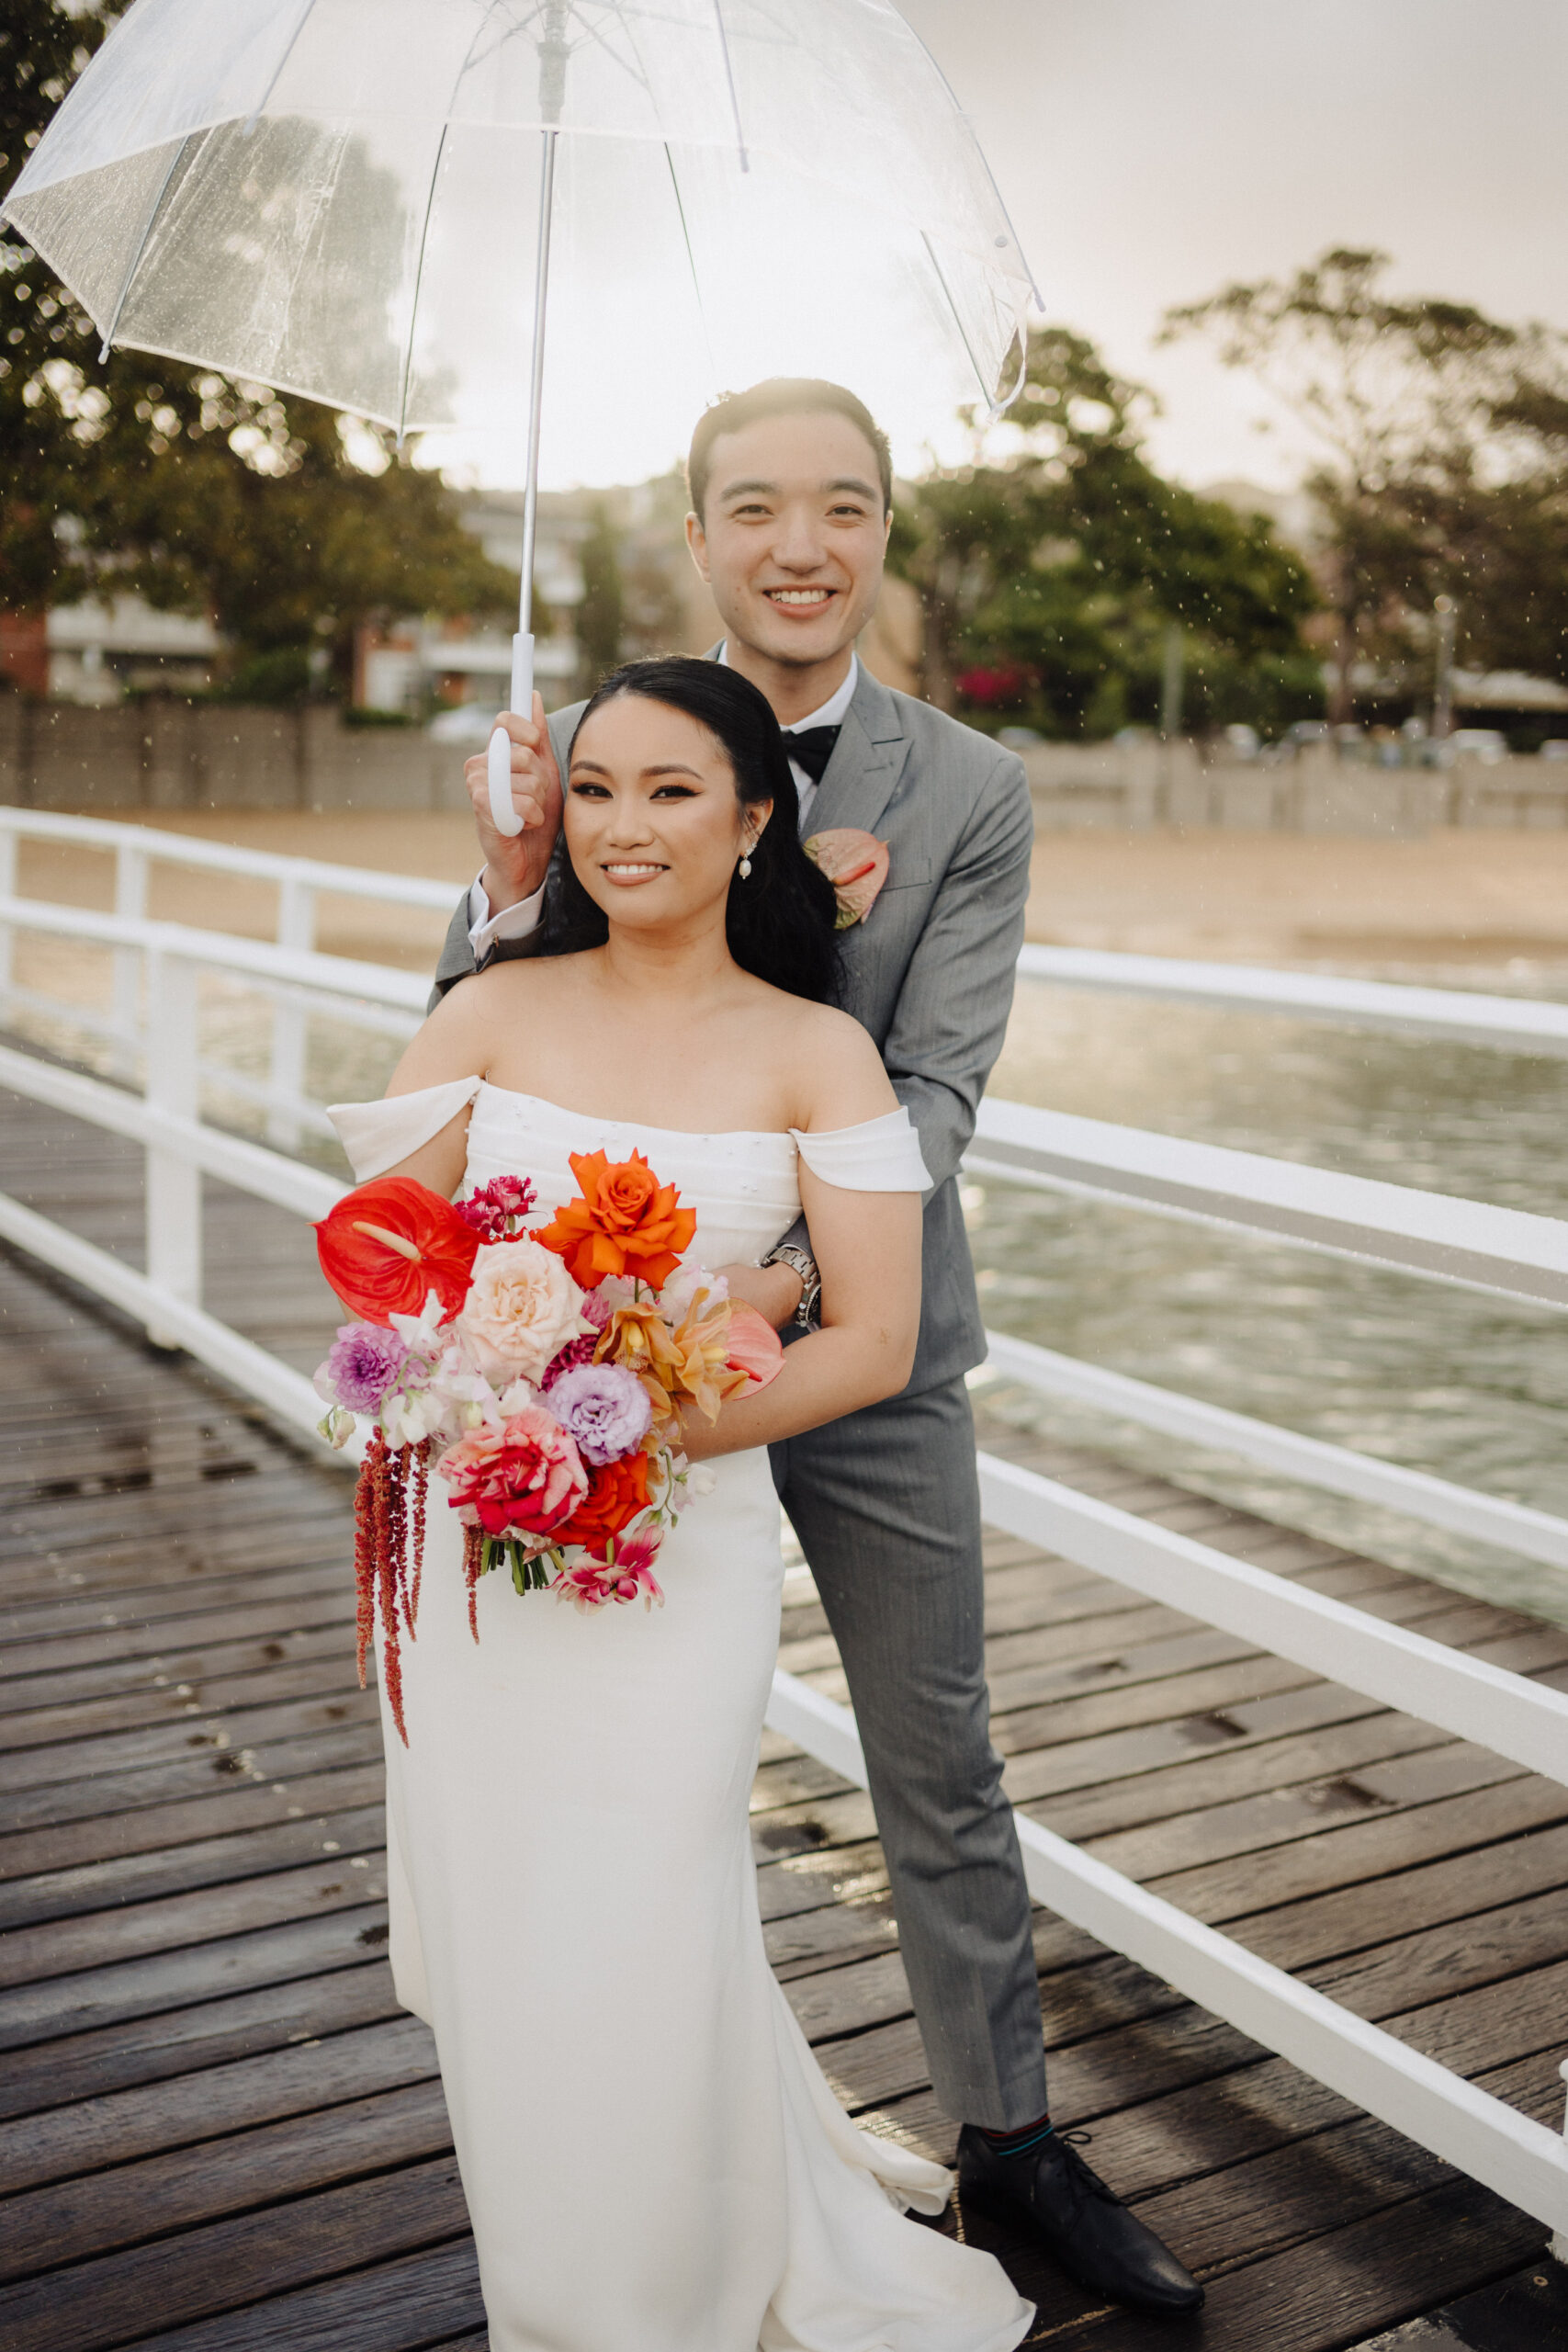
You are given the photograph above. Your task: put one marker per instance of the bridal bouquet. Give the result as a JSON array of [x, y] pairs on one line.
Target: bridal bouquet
[[541, 1374]]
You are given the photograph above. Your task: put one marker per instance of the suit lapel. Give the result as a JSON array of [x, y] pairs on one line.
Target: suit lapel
[[868, 760]]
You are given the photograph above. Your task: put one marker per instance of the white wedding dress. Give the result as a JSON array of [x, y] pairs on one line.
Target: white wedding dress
[[652, 2158]]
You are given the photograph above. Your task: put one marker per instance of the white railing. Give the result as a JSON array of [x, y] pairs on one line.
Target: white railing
[[1424, 1234], [300, 884], [1518, 1025]]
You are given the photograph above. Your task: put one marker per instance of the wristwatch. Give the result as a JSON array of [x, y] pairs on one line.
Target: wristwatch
[[787, 1253]]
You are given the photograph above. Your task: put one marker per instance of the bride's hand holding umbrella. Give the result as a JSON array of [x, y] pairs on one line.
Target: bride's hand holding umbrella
[[516, 863]]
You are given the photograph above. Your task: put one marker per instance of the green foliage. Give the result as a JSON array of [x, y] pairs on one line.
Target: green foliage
[[1445, 471], [285, 523], [1051, 572], [600, 614]]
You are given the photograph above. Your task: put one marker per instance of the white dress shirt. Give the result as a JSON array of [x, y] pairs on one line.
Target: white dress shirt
[[521, 920]]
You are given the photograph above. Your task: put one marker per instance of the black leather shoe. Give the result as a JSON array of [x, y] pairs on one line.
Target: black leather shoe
[[1083, 2224]]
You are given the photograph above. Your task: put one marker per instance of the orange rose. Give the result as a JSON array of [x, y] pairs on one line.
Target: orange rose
[[616, 1492], [624, 1222]]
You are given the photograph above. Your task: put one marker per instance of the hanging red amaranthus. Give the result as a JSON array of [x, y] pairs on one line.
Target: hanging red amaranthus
[[389, 1509]]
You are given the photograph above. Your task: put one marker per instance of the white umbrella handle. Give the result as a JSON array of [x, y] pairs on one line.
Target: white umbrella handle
[[503, 816]]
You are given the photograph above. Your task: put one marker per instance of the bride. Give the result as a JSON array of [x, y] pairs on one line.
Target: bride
[[652, 2159]]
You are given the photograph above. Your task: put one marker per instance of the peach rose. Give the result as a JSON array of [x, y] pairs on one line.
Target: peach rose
[[522, 1309]]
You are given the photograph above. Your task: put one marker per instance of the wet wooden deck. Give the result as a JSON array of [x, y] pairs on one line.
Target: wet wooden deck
[[218, 2131]]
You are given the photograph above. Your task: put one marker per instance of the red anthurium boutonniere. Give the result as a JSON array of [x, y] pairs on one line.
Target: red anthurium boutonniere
[[855, 864]]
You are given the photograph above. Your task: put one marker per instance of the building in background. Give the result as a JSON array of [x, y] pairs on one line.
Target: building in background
[[613, 581], [101, 650]]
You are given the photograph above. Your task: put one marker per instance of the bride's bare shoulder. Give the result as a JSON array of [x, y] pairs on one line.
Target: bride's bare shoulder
[[836, 1071]]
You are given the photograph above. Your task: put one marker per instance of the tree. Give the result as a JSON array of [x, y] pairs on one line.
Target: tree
[[601, 617], [1445, 468], [1052, 570], [286, 524]]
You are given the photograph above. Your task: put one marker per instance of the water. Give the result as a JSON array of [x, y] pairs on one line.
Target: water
[[1472, 1388]]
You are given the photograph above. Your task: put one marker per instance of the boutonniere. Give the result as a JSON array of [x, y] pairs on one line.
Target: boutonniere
[[855, 864]]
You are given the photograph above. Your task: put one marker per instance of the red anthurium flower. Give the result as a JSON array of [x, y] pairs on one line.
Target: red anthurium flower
[[386, 1244]]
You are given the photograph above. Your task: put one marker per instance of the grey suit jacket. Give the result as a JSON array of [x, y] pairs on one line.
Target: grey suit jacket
[[929, 972]]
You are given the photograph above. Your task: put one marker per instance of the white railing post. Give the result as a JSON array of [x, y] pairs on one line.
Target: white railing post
[[125, 1007], [8, 879], [1559, 2240], [174, 1182], [296, 929]]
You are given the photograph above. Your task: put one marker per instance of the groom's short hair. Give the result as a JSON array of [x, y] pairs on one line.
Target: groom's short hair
[[781, 396]]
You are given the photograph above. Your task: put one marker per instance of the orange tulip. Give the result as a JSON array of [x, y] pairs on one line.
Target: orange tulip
[[624, 1222]]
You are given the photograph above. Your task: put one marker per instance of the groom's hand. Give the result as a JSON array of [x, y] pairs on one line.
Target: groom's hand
[[516, 865]]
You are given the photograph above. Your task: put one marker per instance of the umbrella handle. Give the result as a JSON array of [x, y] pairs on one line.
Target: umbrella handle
[[503, 817]]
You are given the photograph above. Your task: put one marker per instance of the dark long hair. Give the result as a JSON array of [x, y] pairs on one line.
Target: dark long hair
[[779, 922]]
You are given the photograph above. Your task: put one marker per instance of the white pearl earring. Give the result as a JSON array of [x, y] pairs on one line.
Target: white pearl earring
[[746, 866]]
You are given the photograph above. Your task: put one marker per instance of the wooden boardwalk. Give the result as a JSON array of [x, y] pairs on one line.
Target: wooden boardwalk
[[218, 2131]]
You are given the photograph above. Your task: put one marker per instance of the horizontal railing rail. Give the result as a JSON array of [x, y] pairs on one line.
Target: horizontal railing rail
[[161, 846], [1485, 2137], [1422, 1234], [1310, 1461], [1517, 1024], [1438, 1236]]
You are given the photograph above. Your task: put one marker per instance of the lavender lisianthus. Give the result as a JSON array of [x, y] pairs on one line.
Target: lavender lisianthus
[[363, 1367], [602, 1408]]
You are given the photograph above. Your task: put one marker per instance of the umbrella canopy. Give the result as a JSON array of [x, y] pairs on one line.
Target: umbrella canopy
[[341, 199]]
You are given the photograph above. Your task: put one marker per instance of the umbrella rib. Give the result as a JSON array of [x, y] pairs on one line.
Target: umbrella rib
[[957, 318], [690, 260], [261, 104], [418, 285], [984, 162], [147, 226], [729, 77]]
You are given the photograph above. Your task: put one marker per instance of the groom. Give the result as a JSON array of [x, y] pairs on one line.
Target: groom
[[791, 489]]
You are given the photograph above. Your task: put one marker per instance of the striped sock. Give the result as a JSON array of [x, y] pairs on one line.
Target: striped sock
[[1021, 2143]]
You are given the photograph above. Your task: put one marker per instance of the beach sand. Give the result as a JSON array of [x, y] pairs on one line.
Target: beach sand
[[1473, 899]]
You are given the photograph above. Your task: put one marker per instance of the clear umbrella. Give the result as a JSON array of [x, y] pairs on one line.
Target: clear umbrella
[[367, 201]]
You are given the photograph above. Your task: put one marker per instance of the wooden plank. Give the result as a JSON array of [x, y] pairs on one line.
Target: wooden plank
[[345, 1938], [182, 1923], [1356, 1853], [1380, 2269], [160, 2045], [71, 2221], [1351, 1919], [102, 2304], [393, 2306], [241, 1797], [201, 1728], [113, 2128], [214, 1861]]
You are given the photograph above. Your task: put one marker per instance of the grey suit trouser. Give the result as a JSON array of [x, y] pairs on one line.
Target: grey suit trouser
[[886, 1505]]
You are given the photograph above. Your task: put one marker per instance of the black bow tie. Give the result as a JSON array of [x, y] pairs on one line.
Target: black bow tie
[[811, 748]]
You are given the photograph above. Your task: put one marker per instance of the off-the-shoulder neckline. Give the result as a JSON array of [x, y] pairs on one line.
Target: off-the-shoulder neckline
[[683, 1135]]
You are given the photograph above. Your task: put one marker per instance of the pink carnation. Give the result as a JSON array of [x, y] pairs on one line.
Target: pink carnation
[[523, 1478]]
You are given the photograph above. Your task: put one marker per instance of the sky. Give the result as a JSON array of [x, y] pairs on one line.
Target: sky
[[1151, 151]]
